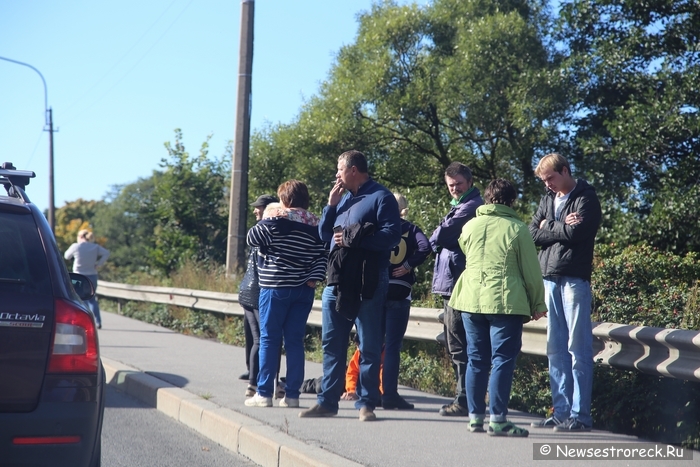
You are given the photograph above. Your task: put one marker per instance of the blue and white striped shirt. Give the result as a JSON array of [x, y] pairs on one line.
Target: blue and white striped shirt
[[293, 252]]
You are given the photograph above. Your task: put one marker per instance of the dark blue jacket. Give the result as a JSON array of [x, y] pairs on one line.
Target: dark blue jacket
[[450, 260], [373, 204]]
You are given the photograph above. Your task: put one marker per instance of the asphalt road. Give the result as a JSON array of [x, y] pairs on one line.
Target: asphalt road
[[135, 435]]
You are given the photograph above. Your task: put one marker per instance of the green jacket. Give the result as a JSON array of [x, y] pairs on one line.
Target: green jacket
[[503, 274]]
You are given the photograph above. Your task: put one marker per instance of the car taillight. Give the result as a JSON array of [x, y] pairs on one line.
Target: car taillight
[[74, 348], [29, 440]]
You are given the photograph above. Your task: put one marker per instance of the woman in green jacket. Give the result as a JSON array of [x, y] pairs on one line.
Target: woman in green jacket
[[500, 289]]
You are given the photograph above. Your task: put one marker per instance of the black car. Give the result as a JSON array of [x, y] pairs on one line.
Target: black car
[[51, 378]]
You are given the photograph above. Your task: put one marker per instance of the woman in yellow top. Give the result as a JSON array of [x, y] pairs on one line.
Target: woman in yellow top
[[500, 289]]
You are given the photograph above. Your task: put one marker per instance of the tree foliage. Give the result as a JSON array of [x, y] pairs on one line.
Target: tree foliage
[[189, 206], [128, 224], [490, 83], [635, 66], [73, 217], [177, 215], [423, 86]]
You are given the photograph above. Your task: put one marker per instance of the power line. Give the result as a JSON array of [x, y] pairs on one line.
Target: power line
[[36, 145], [140, 59], [138, 41]]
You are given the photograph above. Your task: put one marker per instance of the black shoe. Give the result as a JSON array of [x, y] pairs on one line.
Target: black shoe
[[550, 422], [245, 376], [399, 404], [572, 425]]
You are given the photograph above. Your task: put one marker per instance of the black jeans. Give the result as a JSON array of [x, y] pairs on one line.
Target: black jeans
[[456, 338], [252, 317], [248, 341]]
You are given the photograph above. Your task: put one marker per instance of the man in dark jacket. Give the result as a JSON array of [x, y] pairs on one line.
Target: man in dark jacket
[[449, 264], [356, 199], [564, 227]]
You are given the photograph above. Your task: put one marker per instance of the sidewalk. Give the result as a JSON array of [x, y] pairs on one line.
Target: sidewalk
[[196, 382]]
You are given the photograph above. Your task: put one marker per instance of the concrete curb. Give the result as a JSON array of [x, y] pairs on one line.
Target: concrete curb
[[262, 444]]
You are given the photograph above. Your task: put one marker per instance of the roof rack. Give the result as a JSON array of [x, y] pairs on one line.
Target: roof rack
[[15, 180]]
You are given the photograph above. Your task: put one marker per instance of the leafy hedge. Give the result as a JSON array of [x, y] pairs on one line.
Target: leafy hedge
[[644, 286]]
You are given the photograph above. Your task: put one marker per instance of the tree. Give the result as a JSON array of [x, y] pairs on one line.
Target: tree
[[423, 86], [636, 126], [73, 217], [128, 223], [189, 207]]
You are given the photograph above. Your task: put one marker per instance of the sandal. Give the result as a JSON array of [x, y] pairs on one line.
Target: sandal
[[507, 429], [476, 425]]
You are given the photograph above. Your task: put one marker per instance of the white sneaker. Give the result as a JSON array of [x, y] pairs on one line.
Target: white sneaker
[[259, 401], [289, 402]]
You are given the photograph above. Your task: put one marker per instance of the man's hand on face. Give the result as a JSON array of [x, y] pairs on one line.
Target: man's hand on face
[[336, 193]]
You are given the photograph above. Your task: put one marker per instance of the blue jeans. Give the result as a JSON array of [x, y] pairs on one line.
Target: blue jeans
[[395, 322], [335, 337], [493, 344], [570, 347], [283, 313], [92, 303]]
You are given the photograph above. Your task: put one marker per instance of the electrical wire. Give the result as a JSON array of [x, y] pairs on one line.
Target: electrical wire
[[138, 61], [36, 145]]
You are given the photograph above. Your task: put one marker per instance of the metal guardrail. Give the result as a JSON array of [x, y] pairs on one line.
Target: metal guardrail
[[658, 351]]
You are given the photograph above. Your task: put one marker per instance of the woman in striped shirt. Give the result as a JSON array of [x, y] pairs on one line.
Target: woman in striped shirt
[[294, 262]]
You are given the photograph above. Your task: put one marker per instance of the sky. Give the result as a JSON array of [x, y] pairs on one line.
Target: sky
[[122, 76]]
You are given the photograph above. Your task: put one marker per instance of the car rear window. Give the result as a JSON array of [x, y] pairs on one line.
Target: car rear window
[[23, 266]]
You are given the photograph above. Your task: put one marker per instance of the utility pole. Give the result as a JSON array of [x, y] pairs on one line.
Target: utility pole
[[238, 203], [52, 205], [49, 123]]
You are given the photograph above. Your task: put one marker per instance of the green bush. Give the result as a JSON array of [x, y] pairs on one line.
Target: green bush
[[650, 407], [530, 392], [643, 286], [147, 312], [426, 366]]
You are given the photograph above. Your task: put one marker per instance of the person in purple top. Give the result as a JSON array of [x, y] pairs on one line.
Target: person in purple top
[[449, 264]]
